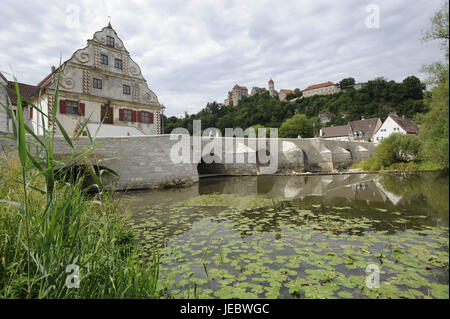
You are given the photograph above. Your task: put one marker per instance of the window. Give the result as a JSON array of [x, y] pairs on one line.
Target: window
[[97, 84], [126, 89], [383, 130], [104, 59], [127, 115], [110, 41], [71, 107], [118, 64], [396, 129], [145, 117]]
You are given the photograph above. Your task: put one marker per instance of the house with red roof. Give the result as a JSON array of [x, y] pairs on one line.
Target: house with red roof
[[321, 89]]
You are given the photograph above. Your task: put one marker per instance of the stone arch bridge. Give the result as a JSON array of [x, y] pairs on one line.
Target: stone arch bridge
[[142, 162], [146, 162]]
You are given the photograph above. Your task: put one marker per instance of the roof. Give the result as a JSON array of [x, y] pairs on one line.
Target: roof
[[26, 91], [3, 77], [405, 123], [270, 81], [49, 78], [287, 91], [336, 131], [239, 87], [316, 86], [367, 126]]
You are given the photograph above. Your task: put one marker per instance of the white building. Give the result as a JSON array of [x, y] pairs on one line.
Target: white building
[[321, 89], [103, 84], [395, 124], [3, 101], [8, 98]]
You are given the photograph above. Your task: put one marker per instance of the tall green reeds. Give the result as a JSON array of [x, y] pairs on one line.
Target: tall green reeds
[[53, 234]]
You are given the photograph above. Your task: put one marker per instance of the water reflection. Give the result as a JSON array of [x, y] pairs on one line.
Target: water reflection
[[397, 201]]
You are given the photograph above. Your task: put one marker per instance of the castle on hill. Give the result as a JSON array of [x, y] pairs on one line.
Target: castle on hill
[[237, 92]]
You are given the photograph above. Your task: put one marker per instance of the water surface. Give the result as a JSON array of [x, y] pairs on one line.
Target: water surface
[[300, 236]]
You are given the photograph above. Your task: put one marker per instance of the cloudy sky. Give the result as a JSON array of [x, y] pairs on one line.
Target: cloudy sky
[[194, 52]]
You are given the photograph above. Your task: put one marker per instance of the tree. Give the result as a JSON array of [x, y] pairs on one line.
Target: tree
[[434, 129], [346, 82], [297, 125], [438, 71], [439, 28], [397, 148], [413, 88]]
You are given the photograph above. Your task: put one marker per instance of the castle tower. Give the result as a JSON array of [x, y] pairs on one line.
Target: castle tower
[[272, 91]]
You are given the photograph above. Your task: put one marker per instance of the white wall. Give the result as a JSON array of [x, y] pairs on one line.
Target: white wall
[[4, 101], [389, 127], [93, 110]]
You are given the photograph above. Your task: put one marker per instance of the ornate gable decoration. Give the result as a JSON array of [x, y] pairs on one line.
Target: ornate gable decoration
[[101, 37]]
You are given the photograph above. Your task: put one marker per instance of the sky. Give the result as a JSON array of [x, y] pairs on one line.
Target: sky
[[194, 52]]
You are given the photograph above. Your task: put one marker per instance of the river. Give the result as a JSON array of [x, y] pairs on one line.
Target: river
[[318, 236]]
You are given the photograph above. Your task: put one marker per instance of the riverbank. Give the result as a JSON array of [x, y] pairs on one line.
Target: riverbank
[[76, 246]]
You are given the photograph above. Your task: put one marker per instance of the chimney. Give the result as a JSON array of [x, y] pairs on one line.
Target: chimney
[[53, 68]]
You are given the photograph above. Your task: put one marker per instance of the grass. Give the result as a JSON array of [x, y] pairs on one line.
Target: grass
[[53, 234]]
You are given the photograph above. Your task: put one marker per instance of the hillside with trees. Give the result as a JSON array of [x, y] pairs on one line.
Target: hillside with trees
[[377, 98]]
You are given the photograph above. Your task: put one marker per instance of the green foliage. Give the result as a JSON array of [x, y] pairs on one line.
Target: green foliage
[[434, 129], [397, 152], [397, 148], [346, 82], [440, 28], [438, 71], [299, 124], [377, 98]]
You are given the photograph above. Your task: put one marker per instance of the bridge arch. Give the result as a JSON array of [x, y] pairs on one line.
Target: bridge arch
[[292, 157], [109, 177], [210, 165]]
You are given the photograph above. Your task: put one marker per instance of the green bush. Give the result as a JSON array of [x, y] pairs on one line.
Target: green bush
[[397, 148]]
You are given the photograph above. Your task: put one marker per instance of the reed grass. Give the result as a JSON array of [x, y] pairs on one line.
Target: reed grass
[[48, 226]]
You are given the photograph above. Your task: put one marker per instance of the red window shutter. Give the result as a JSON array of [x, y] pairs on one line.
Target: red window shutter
[[62, 106], [151, 117], [121, 115], [133, 116], [139, 116], [81, 109]]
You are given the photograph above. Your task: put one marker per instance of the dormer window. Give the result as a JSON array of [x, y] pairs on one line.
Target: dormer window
[[110, 41]]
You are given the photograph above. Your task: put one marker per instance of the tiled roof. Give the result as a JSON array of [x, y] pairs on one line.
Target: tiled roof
[[239, 87], [26, 91], [336, 131], [368, 126], [405, 123], [270, 81], [316, 86], [287, 91]]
